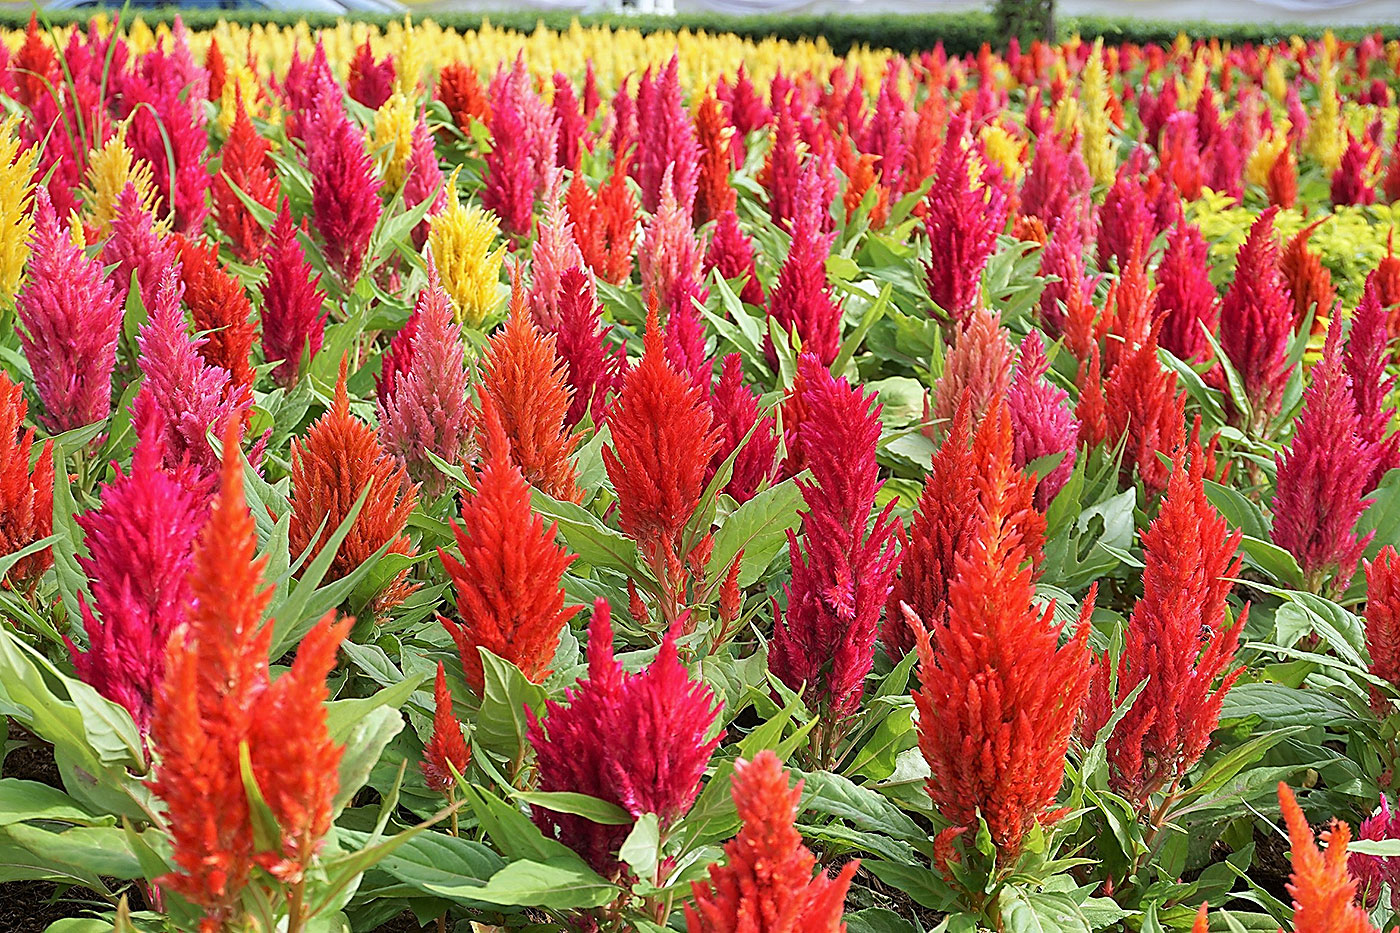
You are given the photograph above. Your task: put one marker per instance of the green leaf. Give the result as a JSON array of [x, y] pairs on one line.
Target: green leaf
[[554, 884], [642, 847], [267, 835], [595, 544], [759, 528], [1040, 912], [920, 882], [365, 742], [30, 800], [1235, 760], [877, 920], [512, 831], [305, 604], [592, 808], [437, 859], [502, 725]]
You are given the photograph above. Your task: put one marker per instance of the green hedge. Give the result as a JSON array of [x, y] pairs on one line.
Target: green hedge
[[959, 32]]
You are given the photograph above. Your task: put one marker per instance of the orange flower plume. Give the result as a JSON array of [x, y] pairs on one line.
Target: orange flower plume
[[1324, 894], [220, 308], [446, 750], [26, 495], [509, 594], [331, 465]]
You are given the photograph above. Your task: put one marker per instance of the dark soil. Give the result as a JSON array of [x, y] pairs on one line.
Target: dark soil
[[30, 906], [31, 761]]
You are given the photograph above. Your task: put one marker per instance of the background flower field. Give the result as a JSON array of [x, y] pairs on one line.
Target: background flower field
[[589, 480]]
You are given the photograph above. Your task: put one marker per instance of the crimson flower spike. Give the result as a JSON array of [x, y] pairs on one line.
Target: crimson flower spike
[[1256, 322]]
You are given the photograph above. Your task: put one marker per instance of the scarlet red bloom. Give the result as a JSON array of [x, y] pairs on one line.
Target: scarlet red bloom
[[509, 595], [1256, 321], [1179, 640], [292, 303], [663, 437], [605, 224], [1322, 476], [802, 302], [370, 82], [594, 369], [964, 215], [731, 252], [1351, 183], [1366, 356], [1308, 279], [461, 90], [766, 882], [332, 464], [998, 699], [572, 124], [841, 575], [344, 186], [446, 750], [1188, 306], [525, 379], [1144, 406], [1324, 893], [736, 410], [636, 740], [713, 194], [1383, 619], [26, 495], [220, 308], [245, 163]]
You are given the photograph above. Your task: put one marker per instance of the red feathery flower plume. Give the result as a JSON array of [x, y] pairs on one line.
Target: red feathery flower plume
[[245, 163], [26, 495], [605, 223], [663, 437], [1383, 619], [736, 410], [1366, 356], [1066, 306], [293, 322], [1180, 155], [861, 177], [999, 698], [217, 696], [1324, 893], [1256, 321], [767, 874], [1144, 405], [594, 370], [1179, 640], [446, 750], [370, 82], [665, 139], [635, 740], [713, 194], [1188, 306], [964, 215], [1351, 183], [461, 91], [141, 546], [332, 464], [220, 308], [137, 247], [522, 154], [978, 366], [841, 575], [802, 301], [1057, 184], [1042, 420], [1125, 220], [1385, 278], [526, 380], [218, 70], [1308, 279], [1322, 476], [782, 166], [344, 186], [731, 252], [572, 124], [509, 594]]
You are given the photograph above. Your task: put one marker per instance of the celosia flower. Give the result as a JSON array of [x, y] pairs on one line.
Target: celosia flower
[[714, 196], [594, 370], [138, 246], [1126, 223], [1057, 185], [220, 309], [424, 180], [663, 437], [141, 546], [509, 592], [1188, 306], [71, 321], [1383, 621], [736, 410], [525, 378], [292, 313], [392, 140], [1323, 891], [522, 148], [461, 240], [670, 256], [731, 252], [605, 224], [554, 252], [1042, 420], [344, 187], [824, 644], [802, 301], [766, 881], [782, 166], [1322, 476], [26, 494], [1366, 356], [979, 365], [370, 82], [666, 143], [446, 750], [1180, 155], [572, 124], [1180, 641], [461, 91], [1373, 872], [635, 740], [963, 217], [1256, 321], [16, 201], [1354, 180], [332, 464], [998, 699], [1308, 279], [185, 395], [1146, 412], [245, 164], [1066, 306], [162, 95], [427, 407], [1094, 122]]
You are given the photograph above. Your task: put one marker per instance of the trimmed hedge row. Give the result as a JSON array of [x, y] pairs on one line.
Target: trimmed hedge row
[[959, 32]]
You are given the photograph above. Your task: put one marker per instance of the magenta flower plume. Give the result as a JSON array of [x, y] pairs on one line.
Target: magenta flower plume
[[1057, 185], [141, 546], [782, 169], [571, 121], [1365, 359], [979, 364], [344, 187], [802, 301], [666, 141], [397, 356], [635, 740], [731, 252], [1042, 420], [1256, 321], [71, 320], [293, 322], [424, 180], [736, 411], [182, 394], [1188, 306], [885, 136], [1351, 183], [963, 216], [1373, 872], [428, 409], [370, 82], [163, 95], [1125, 220], [135, 246], [1066, 304], [824, 645], [522, 148], [1322, 477], [594, 369]]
